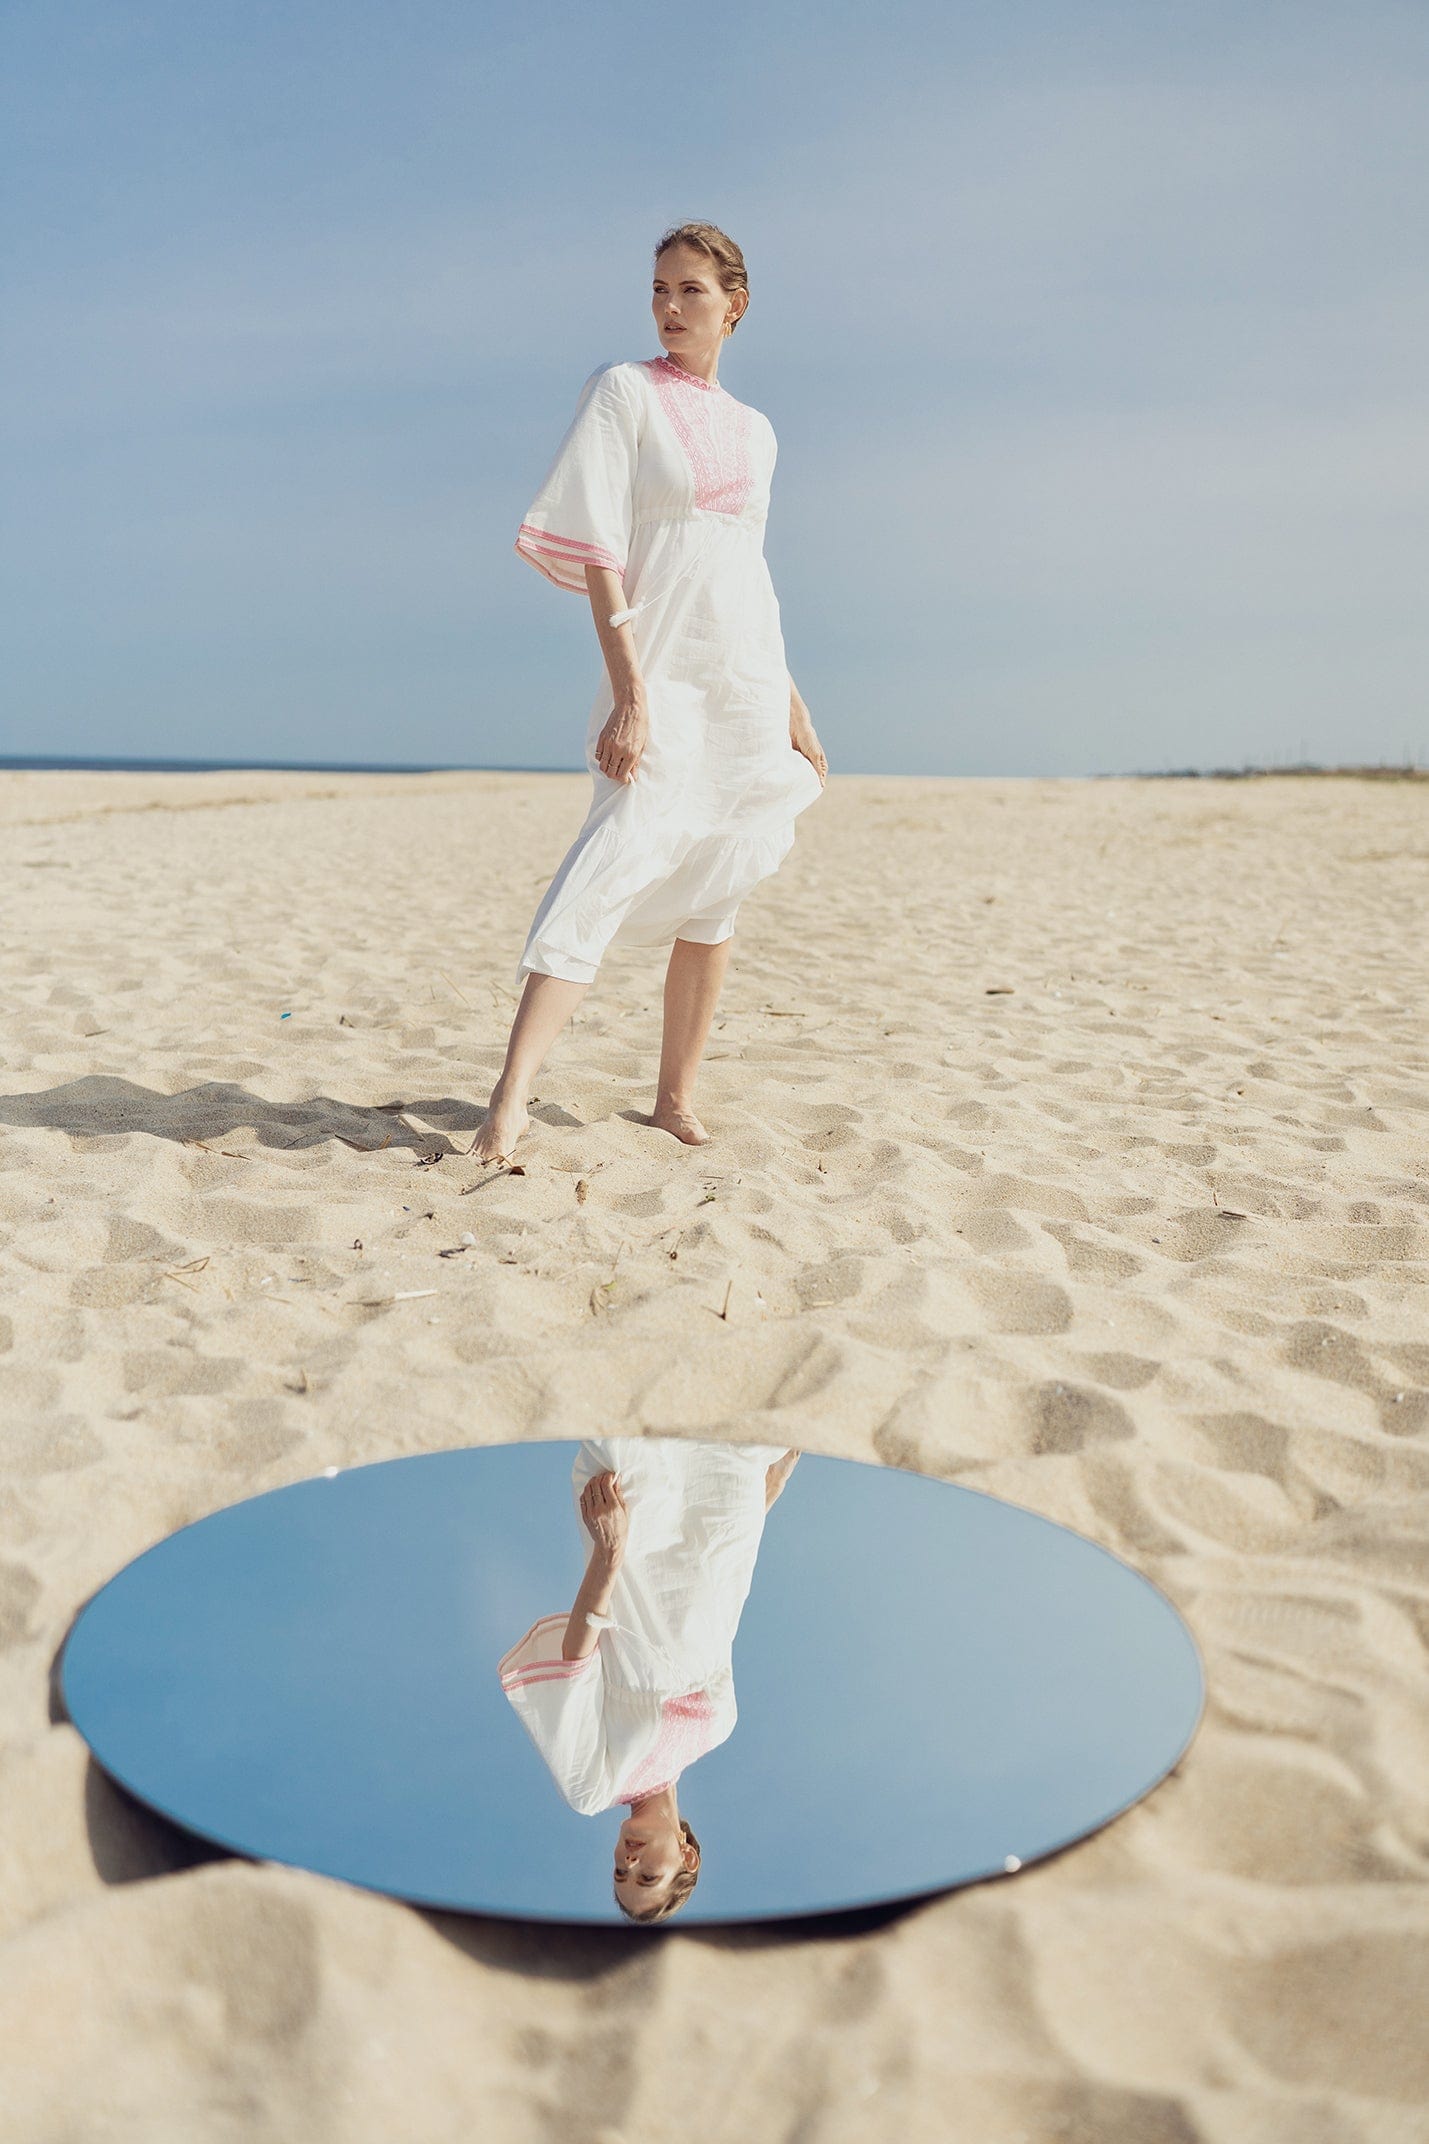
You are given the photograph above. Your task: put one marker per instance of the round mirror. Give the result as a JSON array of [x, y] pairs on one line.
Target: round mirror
[[647, 1681]]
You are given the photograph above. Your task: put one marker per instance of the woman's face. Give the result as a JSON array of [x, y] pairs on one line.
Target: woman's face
[[689, 307], [647, 1855]]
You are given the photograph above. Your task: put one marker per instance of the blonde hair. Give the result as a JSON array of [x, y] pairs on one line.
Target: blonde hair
[[719, 247], [682, 1883]]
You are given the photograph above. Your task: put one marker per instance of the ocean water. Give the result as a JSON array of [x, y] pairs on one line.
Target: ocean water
[[23, 763]]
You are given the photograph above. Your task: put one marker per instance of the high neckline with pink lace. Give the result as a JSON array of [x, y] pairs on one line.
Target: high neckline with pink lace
[[669, 369]]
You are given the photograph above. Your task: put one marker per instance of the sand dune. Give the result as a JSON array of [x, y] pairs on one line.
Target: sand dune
[[1070, 1142]]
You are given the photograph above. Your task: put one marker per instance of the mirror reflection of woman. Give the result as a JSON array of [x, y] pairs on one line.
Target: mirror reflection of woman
[[635, 1682]]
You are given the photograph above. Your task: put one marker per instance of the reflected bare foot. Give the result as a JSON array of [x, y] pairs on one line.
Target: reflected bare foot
[[777, 1475], [498, 1131], [682, 1124]]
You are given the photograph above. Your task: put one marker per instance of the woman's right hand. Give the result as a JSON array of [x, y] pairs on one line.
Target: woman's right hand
[[605, 1518], [623, 740]]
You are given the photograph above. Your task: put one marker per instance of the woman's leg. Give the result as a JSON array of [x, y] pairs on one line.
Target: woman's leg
[[692, 987], [547, 1002]]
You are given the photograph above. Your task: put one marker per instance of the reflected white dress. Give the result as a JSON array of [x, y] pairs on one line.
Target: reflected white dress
[[665, 479], [658, 1690]]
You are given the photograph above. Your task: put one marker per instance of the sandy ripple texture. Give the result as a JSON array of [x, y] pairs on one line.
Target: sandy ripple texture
[[1069, 1142]]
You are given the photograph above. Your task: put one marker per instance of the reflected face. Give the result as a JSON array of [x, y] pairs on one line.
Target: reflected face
[[689, 306], [647, 1854]]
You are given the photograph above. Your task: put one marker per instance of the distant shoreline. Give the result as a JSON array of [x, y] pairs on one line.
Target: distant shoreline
[[41, 764], [11, 763], [1398, 771]]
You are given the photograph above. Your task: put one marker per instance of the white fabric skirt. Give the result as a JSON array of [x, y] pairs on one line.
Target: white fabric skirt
[[696, 1522], [711, 810]]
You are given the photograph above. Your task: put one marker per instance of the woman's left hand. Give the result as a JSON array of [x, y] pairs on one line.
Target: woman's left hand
[[804, 738]]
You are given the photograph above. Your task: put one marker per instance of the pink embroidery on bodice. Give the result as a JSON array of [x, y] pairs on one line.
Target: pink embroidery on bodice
[[685, 1724], [713, 429]]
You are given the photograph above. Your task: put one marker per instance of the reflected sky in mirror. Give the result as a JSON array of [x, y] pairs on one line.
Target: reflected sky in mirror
[[925, 1684]]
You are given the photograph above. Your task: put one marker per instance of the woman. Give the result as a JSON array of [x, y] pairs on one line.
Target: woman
[[625, 1691], [700, 748]]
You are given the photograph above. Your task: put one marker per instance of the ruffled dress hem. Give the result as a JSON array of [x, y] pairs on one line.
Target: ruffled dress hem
[[690, 886]]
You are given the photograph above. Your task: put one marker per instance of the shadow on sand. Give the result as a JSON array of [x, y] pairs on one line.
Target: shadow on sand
[[102, 1105]]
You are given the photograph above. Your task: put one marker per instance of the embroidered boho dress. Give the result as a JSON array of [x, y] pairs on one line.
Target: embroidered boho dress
[[658, 1691], [665, 479]]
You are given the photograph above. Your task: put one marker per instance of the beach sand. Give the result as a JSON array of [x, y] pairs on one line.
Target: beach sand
[[1069, 1142]]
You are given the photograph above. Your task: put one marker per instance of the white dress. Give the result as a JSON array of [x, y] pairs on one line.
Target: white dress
[[658, 1690], [665, 479]]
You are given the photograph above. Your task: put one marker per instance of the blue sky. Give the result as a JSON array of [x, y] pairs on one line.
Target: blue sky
[[1093, 337]]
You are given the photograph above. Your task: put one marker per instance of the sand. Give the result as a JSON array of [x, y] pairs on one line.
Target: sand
[[1069, 1142]]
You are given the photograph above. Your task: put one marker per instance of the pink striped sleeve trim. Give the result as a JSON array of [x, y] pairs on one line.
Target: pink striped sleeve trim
[[542, 1623], [554, 1669], [572, 587], [549, 1673], [534, 543], [567, 543]]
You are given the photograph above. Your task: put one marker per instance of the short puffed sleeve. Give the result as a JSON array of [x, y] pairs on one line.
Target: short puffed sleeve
[[583, 513]]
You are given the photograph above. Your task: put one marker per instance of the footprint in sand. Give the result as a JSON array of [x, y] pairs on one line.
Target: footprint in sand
[[51, 1444], [1124, 1373], [1325, 1351], [1020, 1302], [1100, 1261], [994, 1230], [1066, 1418], [19, 1592]]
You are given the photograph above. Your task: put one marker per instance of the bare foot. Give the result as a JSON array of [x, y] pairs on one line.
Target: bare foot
[[683, 1124], [776, 1477], [498, 1131]]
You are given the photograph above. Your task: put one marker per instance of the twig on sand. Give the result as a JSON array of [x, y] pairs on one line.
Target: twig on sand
[[403, 1295], [358, 1147], [179, 1273], [502, 1168], [452, 986]]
